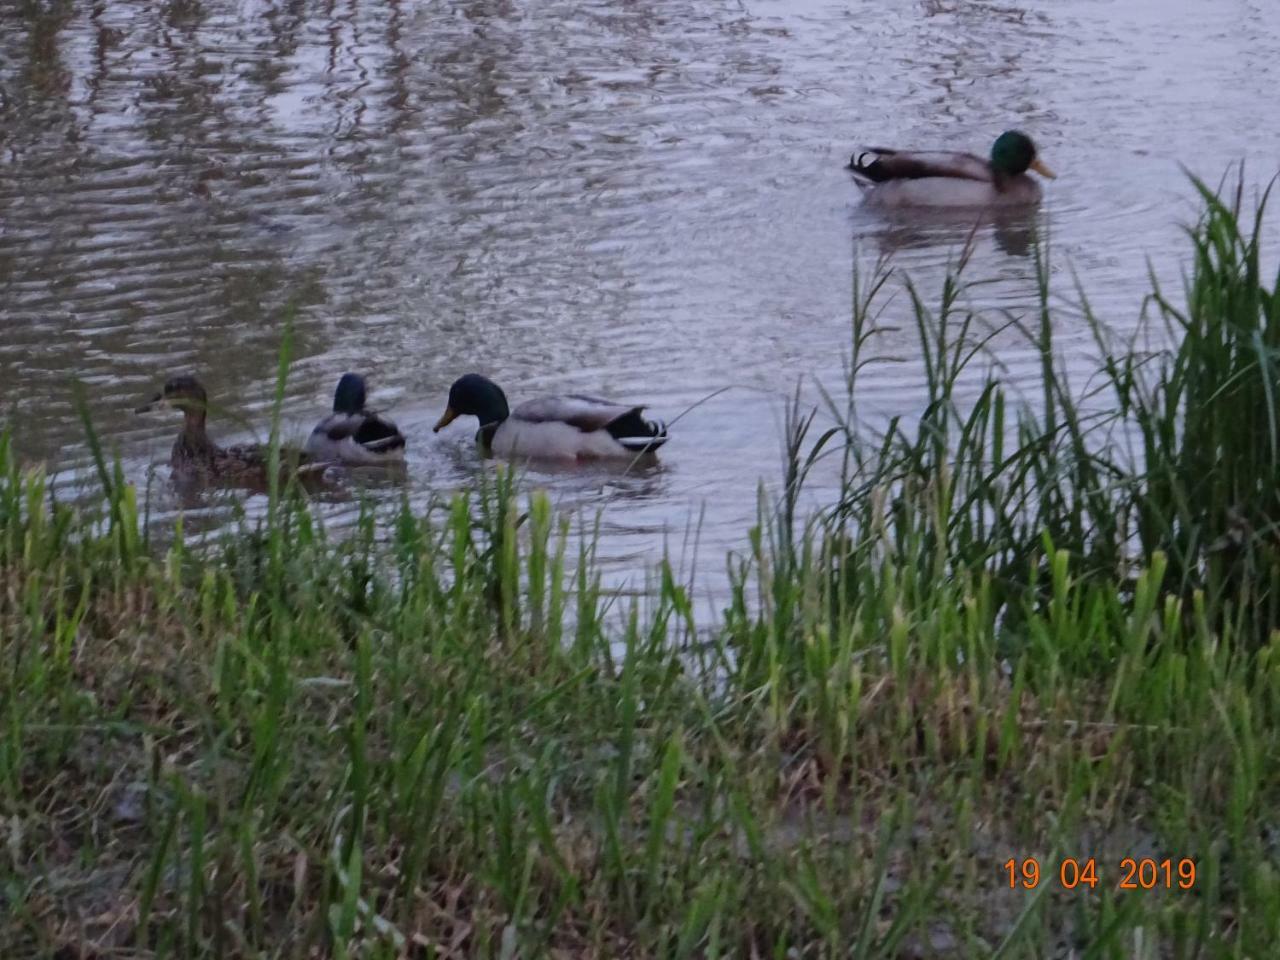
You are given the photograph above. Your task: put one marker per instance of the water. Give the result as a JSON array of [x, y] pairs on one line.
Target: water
[[644, 200]]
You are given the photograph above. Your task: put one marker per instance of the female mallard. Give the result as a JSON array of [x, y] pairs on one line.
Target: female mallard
[[352, 434], [196, 457], [937, 178], [565, 428]]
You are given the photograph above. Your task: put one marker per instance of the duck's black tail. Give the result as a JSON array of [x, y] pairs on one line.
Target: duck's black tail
[[636, 433], [868, 166]]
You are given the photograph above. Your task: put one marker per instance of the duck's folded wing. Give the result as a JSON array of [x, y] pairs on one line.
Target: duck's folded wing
[[880, 164], [378, 433], [367, 429], [585, 413], [624, 422], [250, 456]]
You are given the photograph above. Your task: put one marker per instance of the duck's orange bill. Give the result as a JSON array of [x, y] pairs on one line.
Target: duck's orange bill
[[446, 418], [1041, 169]]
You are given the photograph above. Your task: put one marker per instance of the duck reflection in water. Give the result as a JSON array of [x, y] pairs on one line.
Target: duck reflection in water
[[1015, 230]]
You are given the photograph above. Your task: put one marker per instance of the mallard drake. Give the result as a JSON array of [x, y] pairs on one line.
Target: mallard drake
[[938, 178], [352, 434], [564, 428], [196, 457]]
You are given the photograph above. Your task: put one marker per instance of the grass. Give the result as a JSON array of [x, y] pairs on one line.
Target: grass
[[1042, 632]]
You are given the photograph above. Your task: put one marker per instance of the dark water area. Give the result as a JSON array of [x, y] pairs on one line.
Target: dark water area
[[643, 200]]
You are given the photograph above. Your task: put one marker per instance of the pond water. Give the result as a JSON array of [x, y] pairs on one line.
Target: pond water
[[643, 199]]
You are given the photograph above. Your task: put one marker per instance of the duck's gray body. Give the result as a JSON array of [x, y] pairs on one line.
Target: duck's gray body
[[352, 434], [575, 427], [357, 439]]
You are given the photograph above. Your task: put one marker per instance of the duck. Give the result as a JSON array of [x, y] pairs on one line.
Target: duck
[[939, 178], [571, 427], [195, 457], [353, 435]]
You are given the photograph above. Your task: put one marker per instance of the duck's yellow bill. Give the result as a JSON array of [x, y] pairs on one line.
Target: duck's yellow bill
[[446, 418], [1041, 169]]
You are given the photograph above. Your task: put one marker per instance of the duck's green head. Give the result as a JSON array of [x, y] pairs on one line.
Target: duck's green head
[[475, 396], [1014, 153], [183, 392], [350, 395]]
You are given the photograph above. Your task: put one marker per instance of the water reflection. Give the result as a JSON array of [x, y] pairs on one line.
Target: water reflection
[[643, 478], [1014, 231]]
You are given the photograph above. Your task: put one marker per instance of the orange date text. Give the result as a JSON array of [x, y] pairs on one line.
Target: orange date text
[[1071, 873]]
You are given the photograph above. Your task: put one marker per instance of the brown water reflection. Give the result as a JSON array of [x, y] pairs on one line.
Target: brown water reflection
[[642, 199]]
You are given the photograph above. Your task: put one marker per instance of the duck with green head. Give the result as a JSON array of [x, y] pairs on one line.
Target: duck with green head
[[353, 434], [572, 427], [939, 178], [195, 457]]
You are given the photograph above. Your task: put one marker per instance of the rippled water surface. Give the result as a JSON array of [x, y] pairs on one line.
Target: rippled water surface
[[638, 198]]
